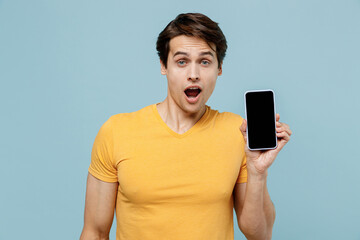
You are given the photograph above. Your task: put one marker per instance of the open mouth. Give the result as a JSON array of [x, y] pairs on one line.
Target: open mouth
[[192, 92]]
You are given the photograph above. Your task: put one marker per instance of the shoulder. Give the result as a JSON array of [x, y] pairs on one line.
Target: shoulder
[[227, 117], [225, 120], [230, 116], [127, 124], [128, 118], [228, 123]]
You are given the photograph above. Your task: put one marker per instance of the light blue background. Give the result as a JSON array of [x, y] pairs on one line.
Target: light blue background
[[67, 66]]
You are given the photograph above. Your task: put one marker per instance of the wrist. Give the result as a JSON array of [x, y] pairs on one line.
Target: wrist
[[255, 176]]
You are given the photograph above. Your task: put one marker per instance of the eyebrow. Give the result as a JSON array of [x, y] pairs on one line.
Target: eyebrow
[[180, 53], [207, 53], [201, 54]]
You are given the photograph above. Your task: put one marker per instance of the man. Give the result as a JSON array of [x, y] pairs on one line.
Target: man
[[176, 169]]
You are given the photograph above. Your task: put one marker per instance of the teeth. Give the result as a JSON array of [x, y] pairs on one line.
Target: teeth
[[193, 88]]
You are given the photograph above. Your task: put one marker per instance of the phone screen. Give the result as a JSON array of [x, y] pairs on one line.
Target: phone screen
[[260, 116]]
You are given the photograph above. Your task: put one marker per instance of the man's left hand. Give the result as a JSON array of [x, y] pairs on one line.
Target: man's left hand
[[259, 161]]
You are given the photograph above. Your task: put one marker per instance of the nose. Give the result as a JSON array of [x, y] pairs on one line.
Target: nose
[[193, 74]]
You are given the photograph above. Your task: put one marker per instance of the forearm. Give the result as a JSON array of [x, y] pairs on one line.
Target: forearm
[[269, 210], [258, 213]]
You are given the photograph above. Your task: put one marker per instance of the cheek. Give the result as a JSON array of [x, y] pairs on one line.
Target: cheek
[[175, 80], [174, 85], [173, 70], [211, 81], [211, 86]]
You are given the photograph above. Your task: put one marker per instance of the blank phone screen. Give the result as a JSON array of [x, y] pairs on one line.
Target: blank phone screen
[[260, 114]]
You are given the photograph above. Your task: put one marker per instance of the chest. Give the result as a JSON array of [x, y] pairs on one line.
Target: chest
[[196, 170]]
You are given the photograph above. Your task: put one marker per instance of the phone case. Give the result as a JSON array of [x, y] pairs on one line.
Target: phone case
[[247, 137]]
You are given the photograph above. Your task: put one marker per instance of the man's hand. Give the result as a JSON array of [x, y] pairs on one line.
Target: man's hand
[[259, 161]]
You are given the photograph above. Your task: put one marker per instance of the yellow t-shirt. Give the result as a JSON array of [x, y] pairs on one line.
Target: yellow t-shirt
[[171, 186]]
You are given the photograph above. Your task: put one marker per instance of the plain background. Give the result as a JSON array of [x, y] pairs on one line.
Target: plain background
[[67, 66]]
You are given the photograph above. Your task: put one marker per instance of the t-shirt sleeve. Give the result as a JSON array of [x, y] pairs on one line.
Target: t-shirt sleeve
[[102, 163], [242, 178]]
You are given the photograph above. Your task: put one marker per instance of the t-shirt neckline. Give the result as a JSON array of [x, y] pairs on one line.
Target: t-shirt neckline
[[196, 126]]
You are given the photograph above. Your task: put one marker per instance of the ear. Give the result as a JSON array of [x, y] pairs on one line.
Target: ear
[[163, 68], [220, 70]]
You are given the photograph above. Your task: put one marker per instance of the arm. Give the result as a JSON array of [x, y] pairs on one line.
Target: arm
[[254, 221], [99, 209], [254, 209]]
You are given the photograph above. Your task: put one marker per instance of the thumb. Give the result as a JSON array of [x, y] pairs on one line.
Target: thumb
[[243, 129]]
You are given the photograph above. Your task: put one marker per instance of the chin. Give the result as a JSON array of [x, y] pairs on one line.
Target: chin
[[193, 108]]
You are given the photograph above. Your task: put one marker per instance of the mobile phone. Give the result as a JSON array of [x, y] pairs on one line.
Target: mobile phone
[[261, 119]]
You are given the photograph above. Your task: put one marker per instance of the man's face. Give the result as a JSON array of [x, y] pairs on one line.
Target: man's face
[[192, 70]]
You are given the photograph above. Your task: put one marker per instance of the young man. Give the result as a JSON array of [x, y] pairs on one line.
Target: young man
[[176, 169]]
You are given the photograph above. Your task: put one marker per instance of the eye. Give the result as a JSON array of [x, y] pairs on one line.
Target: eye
[[205, 62], [181, 62]]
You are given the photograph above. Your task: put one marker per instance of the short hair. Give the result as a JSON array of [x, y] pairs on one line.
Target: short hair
[[192, 25]]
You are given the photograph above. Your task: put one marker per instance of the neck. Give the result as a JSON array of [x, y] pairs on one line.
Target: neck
[[176, 118]]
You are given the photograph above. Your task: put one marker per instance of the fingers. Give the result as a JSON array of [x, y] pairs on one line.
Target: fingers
[[283, 131], [243, 129], [283, 135], [277, 117], [280, 127], [280, 145]]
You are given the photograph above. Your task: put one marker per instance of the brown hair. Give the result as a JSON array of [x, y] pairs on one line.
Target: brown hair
[[193, 25]]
